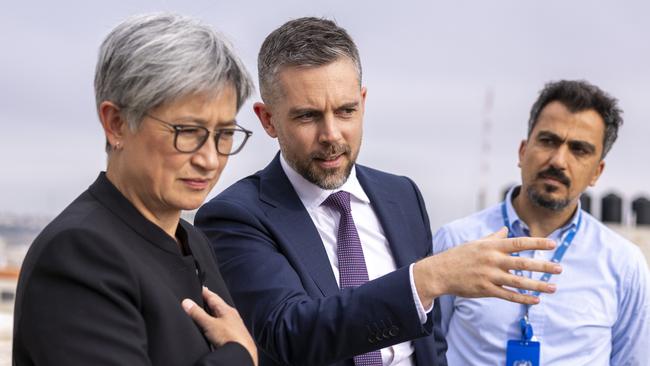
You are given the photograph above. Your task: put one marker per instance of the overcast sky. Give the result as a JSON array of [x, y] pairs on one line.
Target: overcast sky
[[428, 67]]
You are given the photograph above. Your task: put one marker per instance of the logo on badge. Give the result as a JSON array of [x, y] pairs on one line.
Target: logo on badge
[[522, 363]]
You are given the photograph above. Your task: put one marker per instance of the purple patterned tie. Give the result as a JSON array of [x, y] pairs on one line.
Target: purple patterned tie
[[352, 265]]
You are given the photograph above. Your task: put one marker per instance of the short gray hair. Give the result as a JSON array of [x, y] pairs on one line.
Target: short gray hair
[[152, 59], [303, 42]]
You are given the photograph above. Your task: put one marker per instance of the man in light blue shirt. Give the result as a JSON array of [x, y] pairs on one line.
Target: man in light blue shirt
[[600, 313]]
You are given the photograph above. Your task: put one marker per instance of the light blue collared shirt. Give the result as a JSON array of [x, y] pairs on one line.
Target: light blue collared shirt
[[600, 314]]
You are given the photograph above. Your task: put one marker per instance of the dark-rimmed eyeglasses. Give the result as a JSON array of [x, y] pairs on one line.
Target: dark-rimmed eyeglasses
[[190, 138]]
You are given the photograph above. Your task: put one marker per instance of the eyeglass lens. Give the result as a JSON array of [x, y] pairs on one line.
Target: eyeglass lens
[[228, 141]]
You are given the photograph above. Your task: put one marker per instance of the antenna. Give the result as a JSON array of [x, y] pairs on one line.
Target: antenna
[[486, 148]]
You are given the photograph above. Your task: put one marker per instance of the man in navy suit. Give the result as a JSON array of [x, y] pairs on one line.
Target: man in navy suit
[[329, 261]]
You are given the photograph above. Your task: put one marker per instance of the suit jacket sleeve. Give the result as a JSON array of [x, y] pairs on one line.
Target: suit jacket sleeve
[[288, 324], [440, 342]]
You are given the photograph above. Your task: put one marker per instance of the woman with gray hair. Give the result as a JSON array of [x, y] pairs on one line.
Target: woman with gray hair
[[118, 278]]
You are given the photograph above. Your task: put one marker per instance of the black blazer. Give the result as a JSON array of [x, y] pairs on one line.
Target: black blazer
[[102, 285], [275, 265]]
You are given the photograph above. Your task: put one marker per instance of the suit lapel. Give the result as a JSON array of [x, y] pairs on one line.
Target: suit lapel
[[391, 217], [294, 223]]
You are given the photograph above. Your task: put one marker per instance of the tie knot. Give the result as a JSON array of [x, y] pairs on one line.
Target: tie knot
[[339, 201]]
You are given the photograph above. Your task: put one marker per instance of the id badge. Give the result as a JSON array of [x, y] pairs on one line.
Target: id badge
[[522, 353]]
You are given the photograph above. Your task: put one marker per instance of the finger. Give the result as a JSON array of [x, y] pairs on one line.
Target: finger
[[216, 304], [514, 296], [524, 283], [525, 243], [527, 264], [196, 313], [499, 234]]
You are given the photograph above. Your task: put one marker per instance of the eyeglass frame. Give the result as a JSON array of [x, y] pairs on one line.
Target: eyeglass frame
[[177, 128]]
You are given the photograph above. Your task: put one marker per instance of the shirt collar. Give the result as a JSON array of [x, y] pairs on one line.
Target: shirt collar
[[312, 195], [520, 228]]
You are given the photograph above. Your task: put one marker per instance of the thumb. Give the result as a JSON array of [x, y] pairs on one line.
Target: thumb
[[195, 312], [500, 234]]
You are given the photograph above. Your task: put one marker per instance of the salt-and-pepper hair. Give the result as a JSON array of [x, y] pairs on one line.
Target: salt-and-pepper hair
[[302, 42], [578, 96], [153, 59]]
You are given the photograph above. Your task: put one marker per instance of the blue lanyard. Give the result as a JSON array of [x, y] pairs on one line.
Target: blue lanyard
[[526, 327]]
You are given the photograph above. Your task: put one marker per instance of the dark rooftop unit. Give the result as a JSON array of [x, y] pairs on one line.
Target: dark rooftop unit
[[641, 208], [611, 209]]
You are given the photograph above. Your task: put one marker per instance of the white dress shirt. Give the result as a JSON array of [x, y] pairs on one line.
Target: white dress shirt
[[376, 250]]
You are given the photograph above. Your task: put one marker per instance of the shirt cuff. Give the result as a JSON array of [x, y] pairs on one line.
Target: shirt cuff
[[422, 313]]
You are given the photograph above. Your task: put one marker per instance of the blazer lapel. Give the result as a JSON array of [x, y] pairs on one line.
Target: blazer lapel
[[391, 217], [296, 226]]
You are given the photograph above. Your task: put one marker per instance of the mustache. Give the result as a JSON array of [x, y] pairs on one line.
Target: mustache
[[331, 150], [556, 174]]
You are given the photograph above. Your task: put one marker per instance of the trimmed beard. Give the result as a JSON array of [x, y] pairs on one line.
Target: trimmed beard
[[541, 200], [328, 179]]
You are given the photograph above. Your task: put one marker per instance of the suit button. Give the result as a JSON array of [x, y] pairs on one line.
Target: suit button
[[394, 331], [386, 333]]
